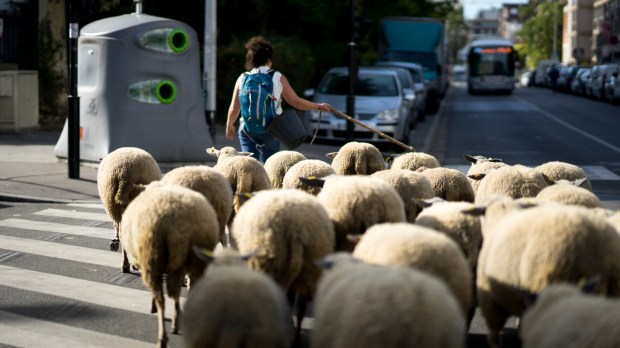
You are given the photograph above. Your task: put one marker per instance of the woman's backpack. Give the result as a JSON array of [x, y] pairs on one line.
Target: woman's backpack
[[258, 105]]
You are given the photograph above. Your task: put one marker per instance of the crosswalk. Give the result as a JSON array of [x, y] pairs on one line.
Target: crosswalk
[[61, 286]]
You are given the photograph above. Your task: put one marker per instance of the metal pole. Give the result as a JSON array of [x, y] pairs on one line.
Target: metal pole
[[209, 65], [352, 72], [554, 54], [73, 121]]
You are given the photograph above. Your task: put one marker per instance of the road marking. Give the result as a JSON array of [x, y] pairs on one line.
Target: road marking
[[100, 294], [21, 331], [87, 205], [593, 172], [573, 128], [85, 231], [72, 214], [62, 251]]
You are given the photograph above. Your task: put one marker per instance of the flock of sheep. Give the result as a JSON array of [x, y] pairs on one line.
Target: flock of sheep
[[396, 253]]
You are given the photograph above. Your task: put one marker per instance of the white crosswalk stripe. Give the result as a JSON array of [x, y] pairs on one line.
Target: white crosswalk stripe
[[58, 228]]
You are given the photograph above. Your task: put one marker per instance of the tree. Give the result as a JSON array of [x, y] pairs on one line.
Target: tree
[[536, 35]]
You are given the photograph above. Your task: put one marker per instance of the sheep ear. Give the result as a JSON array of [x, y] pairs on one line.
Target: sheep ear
[[312, 181], [244, 153], [475, 211], [421, 169], [588, 285], [354, 239], [213, 151], [491, 159], [331, 154], [140, 187], [205, 255], [471, 159], [548, 180], [477, 176], [245, 196], [578, 182]]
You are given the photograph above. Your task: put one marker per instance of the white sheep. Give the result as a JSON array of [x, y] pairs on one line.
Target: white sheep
[[557, 170], [279, 163], [304, 169], [409, 245], [357, 158], [563, 316], [244, 173], [232, 306], [159, 228], [414, 161], [478, 170], [566, 192], [288, 230], [368, 306], [449, 184], [356, 202], [212, 184], [119, 178], [530, 249], [412, 187], [515, 181]]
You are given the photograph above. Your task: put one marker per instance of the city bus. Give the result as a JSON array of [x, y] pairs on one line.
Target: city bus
[[491, 66]]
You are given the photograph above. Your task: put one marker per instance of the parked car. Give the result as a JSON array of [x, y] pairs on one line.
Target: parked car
[[611, 86], [578, 84], [562, 82], [540, 75], [599, 78], [526, 79], [418, 105], [379, 103], [421, 86]]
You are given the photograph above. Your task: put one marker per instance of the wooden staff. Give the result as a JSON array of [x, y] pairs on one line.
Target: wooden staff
[[379, 133]]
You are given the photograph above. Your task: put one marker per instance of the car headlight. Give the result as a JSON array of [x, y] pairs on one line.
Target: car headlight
[[388, 115]]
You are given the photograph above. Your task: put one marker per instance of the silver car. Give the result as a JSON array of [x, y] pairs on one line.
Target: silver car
[[380, 103], [421, 86]]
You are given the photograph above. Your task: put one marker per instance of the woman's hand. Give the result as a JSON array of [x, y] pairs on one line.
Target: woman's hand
[[324, 107], [230, 131]]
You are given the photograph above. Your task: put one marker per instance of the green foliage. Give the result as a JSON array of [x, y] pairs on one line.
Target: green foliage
[[536, 35]]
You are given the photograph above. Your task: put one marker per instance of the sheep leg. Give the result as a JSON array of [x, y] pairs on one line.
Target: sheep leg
[[125, 266], [495, 317], [302, 306], [173, 285], [162, 338], [114, 243]]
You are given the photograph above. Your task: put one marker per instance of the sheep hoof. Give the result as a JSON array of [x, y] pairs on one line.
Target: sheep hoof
[[125, 269], [114, 244]]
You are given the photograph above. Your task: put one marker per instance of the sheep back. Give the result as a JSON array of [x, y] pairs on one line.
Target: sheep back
[[279, 163], [361, 305], [408, 245], [354, 203], [232, 306], [415, 161], [358, 158], [557, 170], [289, 230], [306, 168], [411, 186], [514, 181], [118, 175], [567, 193], [449, 184], [479, 169]]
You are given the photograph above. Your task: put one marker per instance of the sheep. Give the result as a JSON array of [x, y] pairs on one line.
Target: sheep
[[289, 230], [411, 186], [414, 161], [409, 245], [306, 168], [479, 168], [614, 220], [515, 181], [279, 163], [563, 316], [449, 184], [212, 184], [556, 170], [354, 203], [570, 193], [357, 158], [119, 176], [159, 227], [232, 306], [244, 173], [530, 249], [361, 305]]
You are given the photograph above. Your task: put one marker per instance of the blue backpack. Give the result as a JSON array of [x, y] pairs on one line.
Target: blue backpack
[[258, 105]]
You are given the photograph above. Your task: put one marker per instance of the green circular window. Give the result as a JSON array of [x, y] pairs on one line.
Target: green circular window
[[178, 40], [166, 92]]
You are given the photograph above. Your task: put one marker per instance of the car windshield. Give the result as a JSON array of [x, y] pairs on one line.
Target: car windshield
[[367, 85]]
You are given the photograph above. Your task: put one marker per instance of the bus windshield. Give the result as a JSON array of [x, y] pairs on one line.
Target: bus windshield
[[491, 61]]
